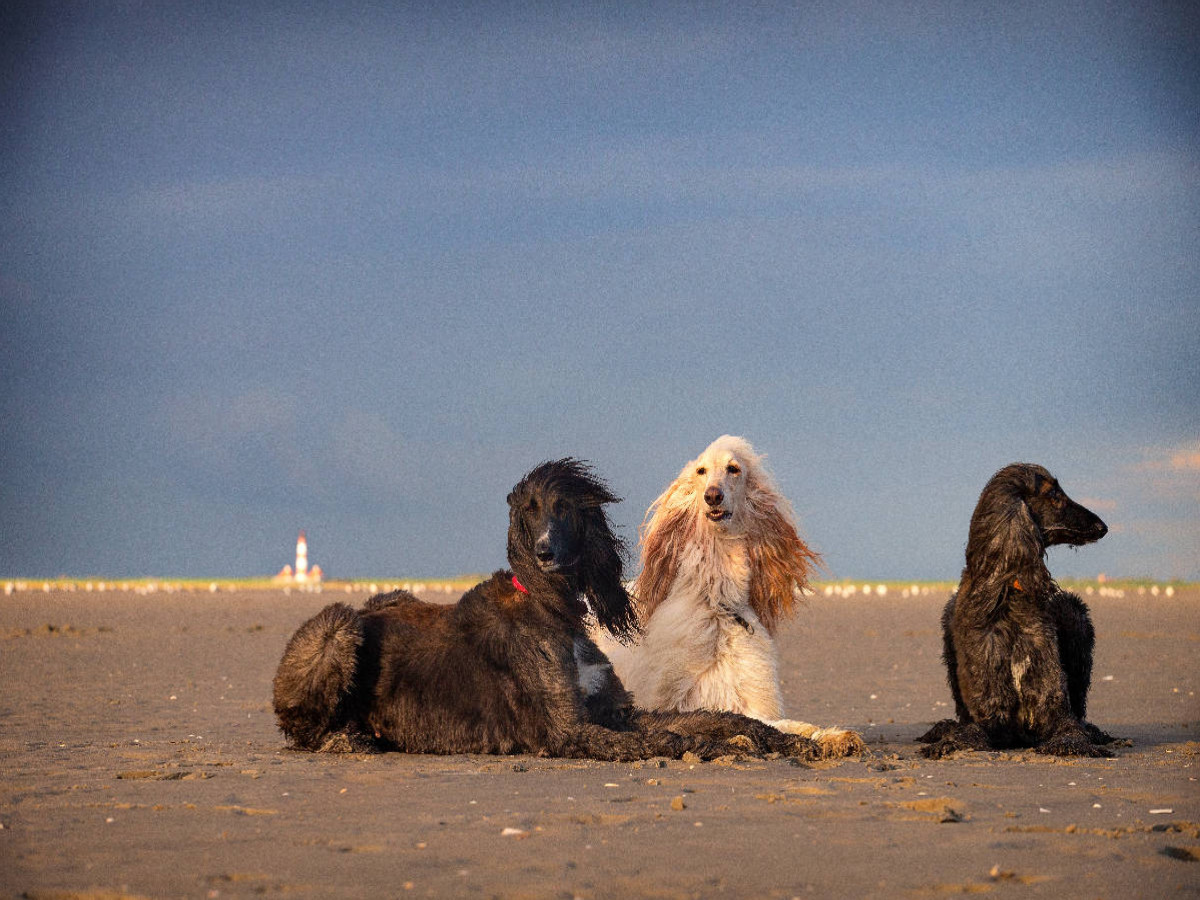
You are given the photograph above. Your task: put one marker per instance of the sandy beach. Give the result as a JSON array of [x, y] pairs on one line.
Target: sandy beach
[[140, 758]]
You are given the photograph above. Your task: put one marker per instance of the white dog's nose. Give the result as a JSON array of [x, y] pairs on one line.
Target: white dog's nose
[[713, 496]]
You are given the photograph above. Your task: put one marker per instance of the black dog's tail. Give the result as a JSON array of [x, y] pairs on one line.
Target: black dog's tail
[[314, 677]]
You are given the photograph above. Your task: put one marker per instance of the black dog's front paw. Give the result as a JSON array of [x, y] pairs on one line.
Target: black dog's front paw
[[1072, 743], [764, 741], [1096, 736], [943, 748], [802, 748], [791, 746], [949, 736], [939, 731], [708, 750]]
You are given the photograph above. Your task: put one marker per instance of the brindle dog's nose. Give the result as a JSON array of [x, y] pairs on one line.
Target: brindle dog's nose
[[713, 496], [542, 549]]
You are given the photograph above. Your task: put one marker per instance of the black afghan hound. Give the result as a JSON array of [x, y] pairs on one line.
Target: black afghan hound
[[509, 668], [1018, 648]]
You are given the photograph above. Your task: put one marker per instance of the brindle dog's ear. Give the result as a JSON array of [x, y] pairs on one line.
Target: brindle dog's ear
[[1040, 483]]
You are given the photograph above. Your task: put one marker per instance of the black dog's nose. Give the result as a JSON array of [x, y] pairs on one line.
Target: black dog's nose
[[1100, 528], [713, 496]]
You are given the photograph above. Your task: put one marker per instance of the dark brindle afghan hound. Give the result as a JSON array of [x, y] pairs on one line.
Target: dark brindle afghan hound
[[1018, 648], [509, 668]]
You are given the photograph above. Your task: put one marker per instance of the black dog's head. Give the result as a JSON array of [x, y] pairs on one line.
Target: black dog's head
[[1059, 518], [560, 542], [1020, 513]]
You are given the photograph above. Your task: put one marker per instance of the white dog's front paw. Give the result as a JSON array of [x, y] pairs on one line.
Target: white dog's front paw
[[838, 742], [834, 742]]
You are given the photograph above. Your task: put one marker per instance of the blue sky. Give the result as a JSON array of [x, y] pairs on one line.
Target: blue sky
[[266, 267]]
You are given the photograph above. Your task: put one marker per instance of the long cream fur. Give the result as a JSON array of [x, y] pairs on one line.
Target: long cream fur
[[716, 580]]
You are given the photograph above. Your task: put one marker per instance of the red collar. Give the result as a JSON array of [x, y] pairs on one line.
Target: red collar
[[520, 587]]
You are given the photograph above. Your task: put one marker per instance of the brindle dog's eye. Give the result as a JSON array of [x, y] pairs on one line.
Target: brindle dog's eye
[[559, 507], [533, 505]]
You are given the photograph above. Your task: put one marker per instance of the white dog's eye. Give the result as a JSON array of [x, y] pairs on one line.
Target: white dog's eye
[[702, 471], [733, 469]]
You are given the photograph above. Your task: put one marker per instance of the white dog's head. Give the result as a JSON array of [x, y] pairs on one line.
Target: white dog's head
[[716, 482], [726, 494]]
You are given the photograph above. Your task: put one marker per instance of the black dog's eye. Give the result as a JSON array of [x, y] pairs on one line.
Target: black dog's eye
[[733, 469], [702, 471]]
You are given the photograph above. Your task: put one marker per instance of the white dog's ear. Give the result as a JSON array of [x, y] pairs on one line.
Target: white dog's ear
[[780, 562], [669, 526]]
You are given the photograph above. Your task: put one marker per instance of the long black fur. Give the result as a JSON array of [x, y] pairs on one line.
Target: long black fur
[[1017, 647], [501, 671]]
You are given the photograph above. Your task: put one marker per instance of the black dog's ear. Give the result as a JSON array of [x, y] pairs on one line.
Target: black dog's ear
[[613, 608], [1013, 543], [602, 580], [1005, 545]]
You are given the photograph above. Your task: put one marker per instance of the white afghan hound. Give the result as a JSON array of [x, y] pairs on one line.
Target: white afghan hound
[[722, 564]]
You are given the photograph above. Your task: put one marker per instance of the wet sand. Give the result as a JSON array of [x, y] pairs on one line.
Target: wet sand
[[139, 758]]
